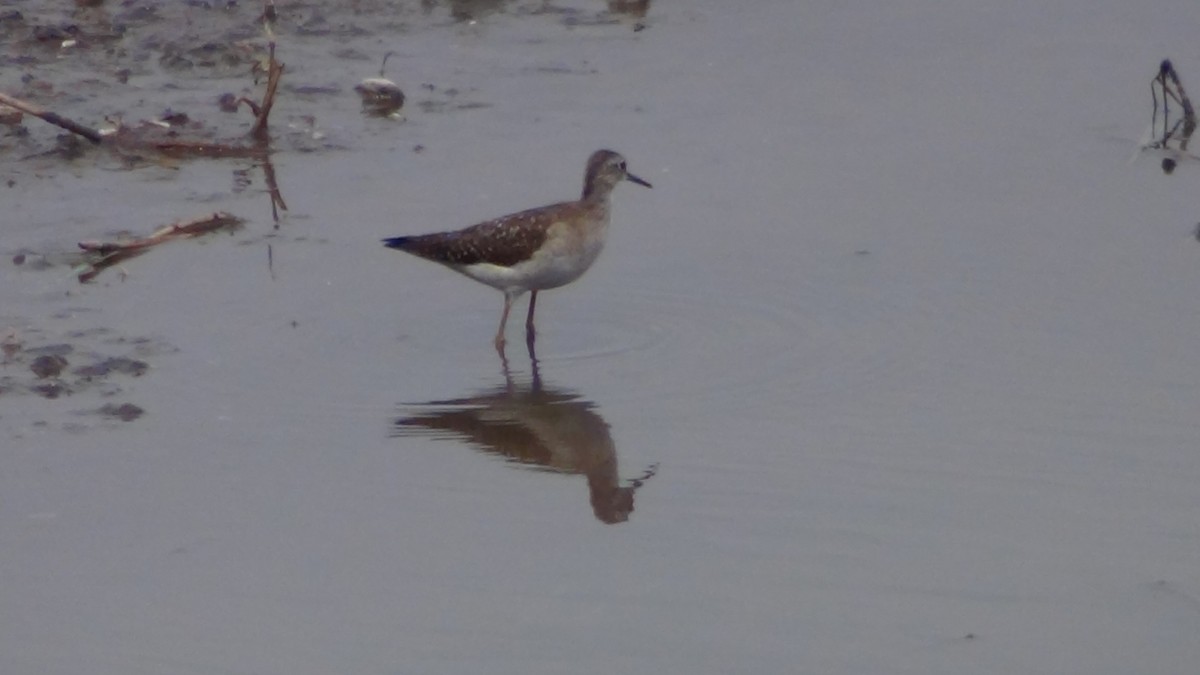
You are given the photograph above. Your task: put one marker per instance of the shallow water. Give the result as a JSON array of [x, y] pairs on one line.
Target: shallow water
[[892, 371]]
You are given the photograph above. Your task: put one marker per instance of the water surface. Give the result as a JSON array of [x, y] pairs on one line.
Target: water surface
[[893, 371]]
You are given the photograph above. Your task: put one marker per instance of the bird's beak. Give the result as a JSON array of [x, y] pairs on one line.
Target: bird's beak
[[634, 179]]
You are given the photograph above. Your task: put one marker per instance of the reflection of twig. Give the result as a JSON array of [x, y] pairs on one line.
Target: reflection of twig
[[52, 117], [261, 112], [277, 203], [102, 255]]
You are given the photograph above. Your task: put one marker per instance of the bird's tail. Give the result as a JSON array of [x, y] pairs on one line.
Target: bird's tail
[[442, 247], [398, 243]]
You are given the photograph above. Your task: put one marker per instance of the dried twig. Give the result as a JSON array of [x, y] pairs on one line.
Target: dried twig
[[1168, 82], [102, 255], [150, 136], [140, 138], [52, 117], [1167, 76], [274, 73]]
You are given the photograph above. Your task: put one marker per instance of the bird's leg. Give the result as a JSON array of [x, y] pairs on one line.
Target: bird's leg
[[529, 331], [508, 301]]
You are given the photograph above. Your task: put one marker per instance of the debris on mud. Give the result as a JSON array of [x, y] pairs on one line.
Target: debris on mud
[[114, 364], [380, 96], [77, 363], [176, 138], [174, 135], [164, 135], [100, 255], [126, 412], [51, 117], [48, 365]]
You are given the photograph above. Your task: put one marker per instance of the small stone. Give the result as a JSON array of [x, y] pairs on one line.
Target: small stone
[[48, 365], [126, 412], [51, 390]]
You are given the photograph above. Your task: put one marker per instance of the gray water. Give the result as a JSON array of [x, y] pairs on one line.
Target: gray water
[[893, 371]]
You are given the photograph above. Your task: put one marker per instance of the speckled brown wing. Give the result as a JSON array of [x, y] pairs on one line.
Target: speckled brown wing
[[504, 241]]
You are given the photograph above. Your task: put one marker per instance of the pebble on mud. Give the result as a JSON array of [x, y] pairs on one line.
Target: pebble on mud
[[51, 389], [126, 412], [380, 96], [48, 365], [227, 102]]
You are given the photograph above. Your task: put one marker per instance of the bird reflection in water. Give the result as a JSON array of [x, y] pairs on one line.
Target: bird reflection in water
[[539, 426]]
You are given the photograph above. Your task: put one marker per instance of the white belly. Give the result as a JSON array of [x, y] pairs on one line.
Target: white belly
[[563, 260]]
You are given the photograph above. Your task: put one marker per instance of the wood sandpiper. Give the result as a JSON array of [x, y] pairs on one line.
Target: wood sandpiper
[[532, 250]]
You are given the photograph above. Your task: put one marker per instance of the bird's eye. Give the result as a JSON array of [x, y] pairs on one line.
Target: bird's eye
[[621, 166]]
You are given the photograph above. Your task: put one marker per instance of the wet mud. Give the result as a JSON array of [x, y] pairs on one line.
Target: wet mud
[[95, 368], [167, 85]]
